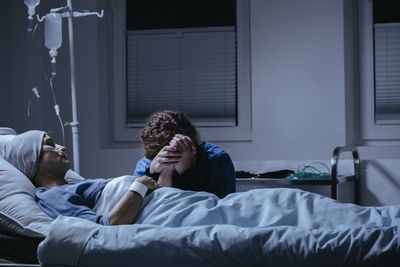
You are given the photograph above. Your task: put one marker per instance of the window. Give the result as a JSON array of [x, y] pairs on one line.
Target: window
[[196, 62], [380, 69]]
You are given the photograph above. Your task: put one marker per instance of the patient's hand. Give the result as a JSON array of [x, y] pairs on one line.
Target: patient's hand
[[149, 182], [187, 150]]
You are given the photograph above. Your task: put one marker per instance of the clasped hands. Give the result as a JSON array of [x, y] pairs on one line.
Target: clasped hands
[[177, 157]]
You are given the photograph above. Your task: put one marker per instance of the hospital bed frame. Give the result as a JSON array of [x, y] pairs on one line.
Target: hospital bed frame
[[340, 179]]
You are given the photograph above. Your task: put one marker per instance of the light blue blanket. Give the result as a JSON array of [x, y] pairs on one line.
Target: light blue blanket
[[262, 227]]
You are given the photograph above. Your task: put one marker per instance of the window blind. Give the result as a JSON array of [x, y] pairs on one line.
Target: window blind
[[387, 73], [192, 70]]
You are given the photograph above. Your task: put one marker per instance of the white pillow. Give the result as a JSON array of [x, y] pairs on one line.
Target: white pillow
[[6, 134], [4, 139], [19, 213], [7, 130]]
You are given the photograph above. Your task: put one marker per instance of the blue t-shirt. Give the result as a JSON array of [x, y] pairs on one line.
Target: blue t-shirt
[[76, 200], [213, 171]]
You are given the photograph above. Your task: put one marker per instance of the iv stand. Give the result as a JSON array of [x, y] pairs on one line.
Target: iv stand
[[74, 124]]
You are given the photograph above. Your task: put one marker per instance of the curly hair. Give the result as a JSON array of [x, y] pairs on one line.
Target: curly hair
[[161, 127]]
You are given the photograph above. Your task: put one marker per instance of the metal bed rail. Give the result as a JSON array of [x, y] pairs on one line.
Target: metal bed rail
[[338, 179]]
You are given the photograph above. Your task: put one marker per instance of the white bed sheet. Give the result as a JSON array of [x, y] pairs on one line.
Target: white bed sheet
[[262, 227]]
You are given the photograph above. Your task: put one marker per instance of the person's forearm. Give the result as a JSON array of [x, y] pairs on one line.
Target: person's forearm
[[165, 179], [126, 210]]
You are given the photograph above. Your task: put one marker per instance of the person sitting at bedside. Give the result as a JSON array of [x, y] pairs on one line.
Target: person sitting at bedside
[[174, 156]]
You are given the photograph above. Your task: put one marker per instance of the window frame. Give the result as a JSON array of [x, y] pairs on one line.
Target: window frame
[[370, 130], [240, 132], [182, 43]]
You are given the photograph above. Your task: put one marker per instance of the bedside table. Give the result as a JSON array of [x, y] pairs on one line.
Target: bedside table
[[342, 187]]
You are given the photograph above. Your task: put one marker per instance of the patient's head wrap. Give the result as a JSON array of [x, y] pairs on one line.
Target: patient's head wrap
[[23, 151]]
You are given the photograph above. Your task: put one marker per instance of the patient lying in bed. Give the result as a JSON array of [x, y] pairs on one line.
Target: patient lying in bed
[[45, 163]]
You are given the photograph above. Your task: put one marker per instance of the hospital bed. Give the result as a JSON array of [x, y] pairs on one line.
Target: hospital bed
[[26, 233]]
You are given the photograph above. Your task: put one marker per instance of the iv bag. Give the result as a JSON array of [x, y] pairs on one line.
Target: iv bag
[[31, 4], [53, 32]]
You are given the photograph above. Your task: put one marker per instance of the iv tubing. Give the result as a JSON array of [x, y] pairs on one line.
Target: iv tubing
[[56, 109], [74, 124]]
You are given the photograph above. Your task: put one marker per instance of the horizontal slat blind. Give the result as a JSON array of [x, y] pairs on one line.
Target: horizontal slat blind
[[387, 73], [190, 70]]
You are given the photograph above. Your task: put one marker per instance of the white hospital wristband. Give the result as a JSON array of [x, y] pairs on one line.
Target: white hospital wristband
[[139, 188]]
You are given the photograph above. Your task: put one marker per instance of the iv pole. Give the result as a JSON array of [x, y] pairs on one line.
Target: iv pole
[[74, 124]]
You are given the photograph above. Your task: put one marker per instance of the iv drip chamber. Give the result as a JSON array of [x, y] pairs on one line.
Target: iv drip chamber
[[53, 32], [31, 4]]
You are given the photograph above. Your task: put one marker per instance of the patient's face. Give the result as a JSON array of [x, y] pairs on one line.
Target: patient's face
[[53, 159]]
